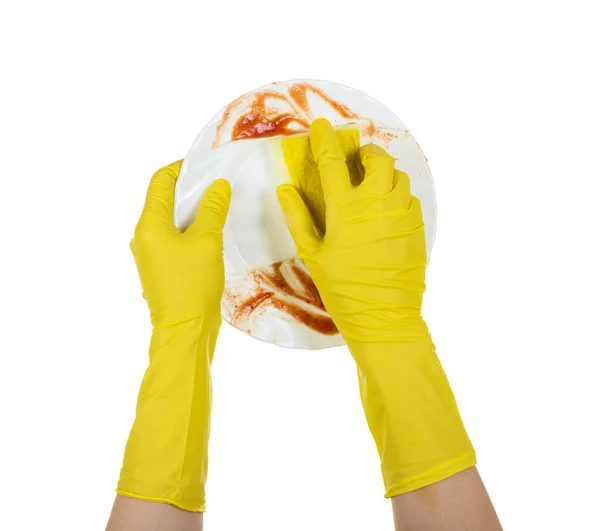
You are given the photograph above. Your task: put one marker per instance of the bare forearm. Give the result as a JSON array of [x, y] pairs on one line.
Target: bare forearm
[[130, 514], [459, 503]]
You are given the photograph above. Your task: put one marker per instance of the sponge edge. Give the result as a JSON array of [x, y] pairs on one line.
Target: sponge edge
[[304, 172]]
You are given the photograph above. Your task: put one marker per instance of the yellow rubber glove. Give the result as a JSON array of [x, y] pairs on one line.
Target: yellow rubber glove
[[182, 279], [370, 271]]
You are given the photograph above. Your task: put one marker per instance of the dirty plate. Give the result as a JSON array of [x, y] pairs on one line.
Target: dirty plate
[[268, 291]]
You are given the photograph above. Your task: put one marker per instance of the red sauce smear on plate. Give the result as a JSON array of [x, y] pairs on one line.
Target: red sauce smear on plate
[[319, 323], [298, 94], [260, 119], [272, 282]]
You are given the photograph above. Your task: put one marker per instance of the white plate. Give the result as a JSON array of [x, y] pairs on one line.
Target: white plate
[[280, 309]]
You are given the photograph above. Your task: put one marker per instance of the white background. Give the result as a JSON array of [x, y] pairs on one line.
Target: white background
[[503, 99]]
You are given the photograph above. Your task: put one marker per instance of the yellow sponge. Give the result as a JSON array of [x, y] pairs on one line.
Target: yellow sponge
[[304, 172]]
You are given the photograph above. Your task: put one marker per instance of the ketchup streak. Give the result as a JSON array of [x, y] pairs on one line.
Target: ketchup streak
[[273, 278], [261, 120]]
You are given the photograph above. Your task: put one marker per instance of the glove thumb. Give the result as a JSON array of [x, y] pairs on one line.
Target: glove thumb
[[213, 208], [298, 218]]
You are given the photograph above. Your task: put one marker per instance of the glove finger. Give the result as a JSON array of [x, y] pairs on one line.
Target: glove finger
[[213, 208], [328, 154], [158, 209], [402, 189], [379, 170], [298, 218]]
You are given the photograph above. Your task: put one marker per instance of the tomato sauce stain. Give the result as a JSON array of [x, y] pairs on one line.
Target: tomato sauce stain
[[267, 113], [282, 286]]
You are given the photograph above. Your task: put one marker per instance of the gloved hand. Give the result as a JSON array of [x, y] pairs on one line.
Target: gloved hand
[[182, 279], [370, 271]]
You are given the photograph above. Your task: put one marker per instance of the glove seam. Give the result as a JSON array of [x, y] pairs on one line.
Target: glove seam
[[156, 499], [433, 475]]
